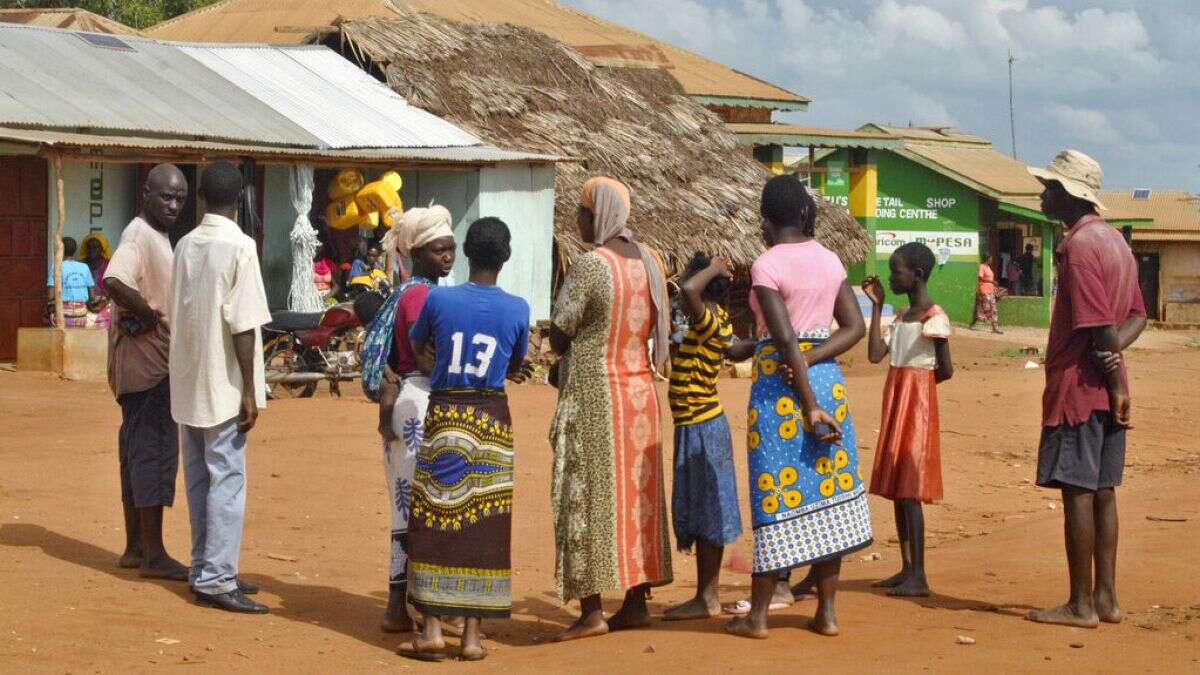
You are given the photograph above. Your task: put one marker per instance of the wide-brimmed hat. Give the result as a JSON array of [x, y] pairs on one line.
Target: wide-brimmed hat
[[1079, 175]]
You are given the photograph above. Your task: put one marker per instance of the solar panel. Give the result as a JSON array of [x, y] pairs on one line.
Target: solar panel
[[1141, 194], [106, 41]]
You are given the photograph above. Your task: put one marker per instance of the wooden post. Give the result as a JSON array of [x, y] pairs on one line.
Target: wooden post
[[59, 320]]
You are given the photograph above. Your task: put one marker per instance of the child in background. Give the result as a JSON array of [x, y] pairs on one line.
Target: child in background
[[908, 468], [704, 501], [368, 273]]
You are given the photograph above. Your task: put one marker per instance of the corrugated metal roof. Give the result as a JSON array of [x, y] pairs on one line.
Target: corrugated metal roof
[[604, 42], [982, 168], [1117, 213], [815, 137], [279, 95], [328, 96], [472, 154], [1172, 210]]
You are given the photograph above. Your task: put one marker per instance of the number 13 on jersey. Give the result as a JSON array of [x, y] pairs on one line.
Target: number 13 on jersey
[[481, 360]]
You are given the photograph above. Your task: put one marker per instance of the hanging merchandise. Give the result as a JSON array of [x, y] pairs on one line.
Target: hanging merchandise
[[303, 296], [380, 196], [346, 184], [343, 214]]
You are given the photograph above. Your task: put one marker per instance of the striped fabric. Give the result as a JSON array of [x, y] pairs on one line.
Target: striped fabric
[[694, 370]]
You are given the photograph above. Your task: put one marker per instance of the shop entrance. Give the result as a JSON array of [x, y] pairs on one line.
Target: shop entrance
[[23, 207]]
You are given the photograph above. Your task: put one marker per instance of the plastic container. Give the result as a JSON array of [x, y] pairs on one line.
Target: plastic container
[[381, 195], [346, 184], [343, 214]]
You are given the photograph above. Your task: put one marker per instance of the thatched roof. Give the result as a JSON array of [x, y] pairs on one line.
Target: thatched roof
[[693, 188]]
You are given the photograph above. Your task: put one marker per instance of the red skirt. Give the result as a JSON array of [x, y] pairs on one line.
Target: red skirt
[[908, 459]]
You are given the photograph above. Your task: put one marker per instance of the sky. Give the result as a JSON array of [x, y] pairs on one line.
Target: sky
[[1117, 79]]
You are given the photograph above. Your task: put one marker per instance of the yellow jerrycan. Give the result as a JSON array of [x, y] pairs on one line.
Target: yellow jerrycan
[[381, 195]]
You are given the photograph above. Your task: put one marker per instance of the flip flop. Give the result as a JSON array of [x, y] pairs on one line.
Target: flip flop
[[742, 607], [410, 650]]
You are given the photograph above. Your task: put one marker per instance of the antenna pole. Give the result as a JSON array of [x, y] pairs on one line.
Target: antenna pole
[[1012, 116]]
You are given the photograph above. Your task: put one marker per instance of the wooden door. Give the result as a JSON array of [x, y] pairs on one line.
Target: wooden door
[[1148, 280], [23, 216]]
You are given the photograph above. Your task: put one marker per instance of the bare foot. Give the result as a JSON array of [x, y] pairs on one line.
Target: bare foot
[[421, 650], [743, 626], [165, 567], [823, 626], [452, 626], [396, 624], [130, 560], [1107, 608], [1064, 615], [782, 597], [472, 653], [910, 588], [696, 608], [627, 619], [892, 581], [584, 627]]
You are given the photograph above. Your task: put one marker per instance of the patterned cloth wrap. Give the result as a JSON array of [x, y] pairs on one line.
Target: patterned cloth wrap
[[460, 531], [808, 503], [377, 343]]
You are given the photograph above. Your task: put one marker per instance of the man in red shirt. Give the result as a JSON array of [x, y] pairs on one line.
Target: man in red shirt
[[1098, 312]]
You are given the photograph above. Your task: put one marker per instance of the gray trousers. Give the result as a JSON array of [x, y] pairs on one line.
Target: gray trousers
[[214, 468]]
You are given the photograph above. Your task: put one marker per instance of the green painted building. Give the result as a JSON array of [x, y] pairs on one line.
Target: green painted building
[[950, 190]]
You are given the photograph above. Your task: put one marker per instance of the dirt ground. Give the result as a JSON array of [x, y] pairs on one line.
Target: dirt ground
[[317, 540]]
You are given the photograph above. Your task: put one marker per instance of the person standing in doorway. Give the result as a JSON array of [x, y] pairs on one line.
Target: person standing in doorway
[[138, 279], [1098, 313], [217, 383], [1027, 261]]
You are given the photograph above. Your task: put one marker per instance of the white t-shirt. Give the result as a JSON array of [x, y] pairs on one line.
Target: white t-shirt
[[911, 343], [218, 293]]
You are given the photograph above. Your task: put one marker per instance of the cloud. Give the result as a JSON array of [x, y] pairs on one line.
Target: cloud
[[1111, 75], [1084, 124]]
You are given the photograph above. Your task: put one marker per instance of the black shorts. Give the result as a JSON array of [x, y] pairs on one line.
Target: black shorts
[[1090, 455], [149, 447]]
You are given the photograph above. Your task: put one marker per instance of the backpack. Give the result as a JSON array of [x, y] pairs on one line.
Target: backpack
[[377, 343]]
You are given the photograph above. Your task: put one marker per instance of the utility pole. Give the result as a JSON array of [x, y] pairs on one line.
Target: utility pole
[[1012, 115]]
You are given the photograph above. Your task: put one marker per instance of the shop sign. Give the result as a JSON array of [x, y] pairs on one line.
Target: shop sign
[[945, 245]]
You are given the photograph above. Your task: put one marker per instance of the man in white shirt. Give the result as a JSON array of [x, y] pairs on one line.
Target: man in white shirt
[[138, 280], [217, 383]]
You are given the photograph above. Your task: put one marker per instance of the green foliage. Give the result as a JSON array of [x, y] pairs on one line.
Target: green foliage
[[133, 13]]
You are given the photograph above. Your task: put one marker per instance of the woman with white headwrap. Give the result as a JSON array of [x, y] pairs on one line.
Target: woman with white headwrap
[[610, 513], [425, 236]]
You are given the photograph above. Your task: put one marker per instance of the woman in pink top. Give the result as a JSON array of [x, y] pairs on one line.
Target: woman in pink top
[[808, 503], [323, 275]]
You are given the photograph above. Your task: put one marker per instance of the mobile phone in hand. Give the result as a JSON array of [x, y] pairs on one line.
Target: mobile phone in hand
[[131, 325]]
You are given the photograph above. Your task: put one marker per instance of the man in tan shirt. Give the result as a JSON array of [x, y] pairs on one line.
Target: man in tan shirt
[[138, 280]]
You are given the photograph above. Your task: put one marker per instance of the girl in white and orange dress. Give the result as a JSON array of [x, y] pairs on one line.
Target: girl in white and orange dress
[[908, 465]]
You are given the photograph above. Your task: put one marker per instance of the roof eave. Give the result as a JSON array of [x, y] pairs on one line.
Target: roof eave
[[799, 104]]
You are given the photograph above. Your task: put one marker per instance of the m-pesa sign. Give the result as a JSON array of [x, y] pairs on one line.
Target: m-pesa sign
[[959, 245]]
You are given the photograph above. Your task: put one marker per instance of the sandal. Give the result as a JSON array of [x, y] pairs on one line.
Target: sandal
[[413, 650]]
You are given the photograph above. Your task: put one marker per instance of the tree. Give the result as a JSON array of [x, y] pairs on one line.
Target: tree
[[133, 13]]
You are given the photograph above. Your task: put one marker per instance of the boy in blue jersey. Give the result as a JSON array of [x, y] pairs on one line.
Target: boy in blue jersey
[[460, 526]]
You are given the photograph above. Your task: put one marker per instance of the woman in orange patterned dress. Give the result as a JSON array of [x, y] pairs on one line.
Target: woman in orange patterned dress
[[610, 516]]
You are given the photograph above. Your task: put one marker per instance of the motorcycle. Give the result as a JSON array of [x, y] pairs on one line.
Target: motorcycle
[[300, 349]]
